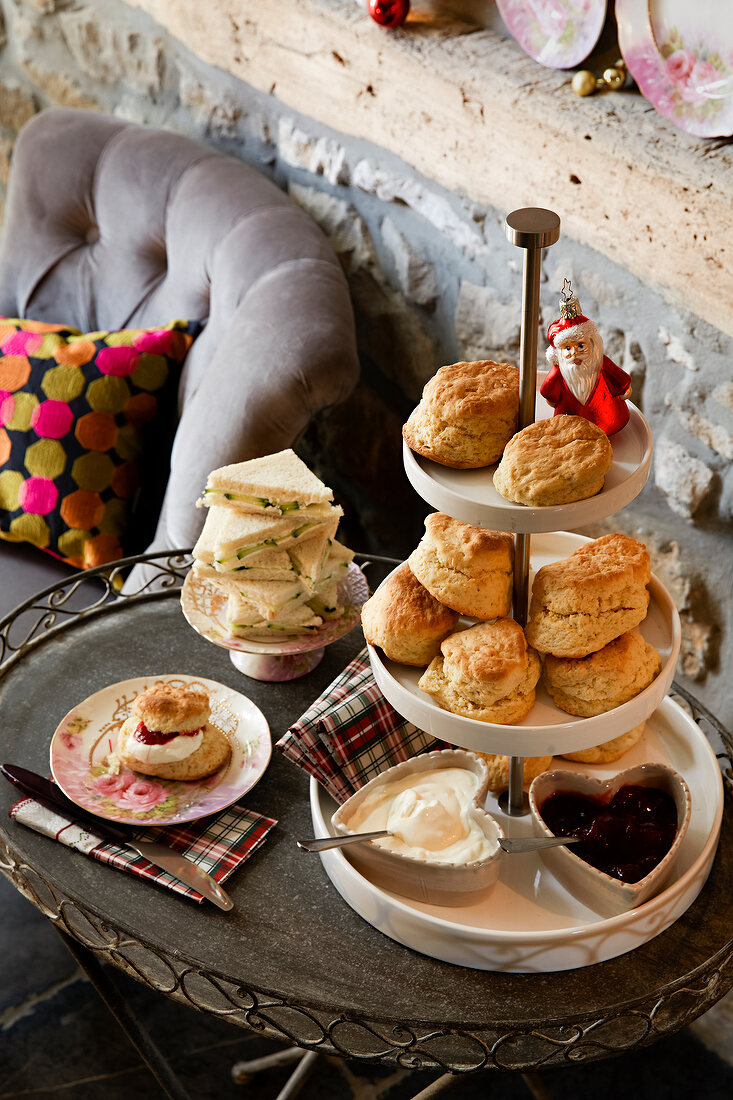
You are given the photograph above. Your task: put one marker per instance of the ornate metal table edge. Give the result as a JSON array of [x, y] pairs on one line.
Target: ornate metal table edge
[[452, 1049]]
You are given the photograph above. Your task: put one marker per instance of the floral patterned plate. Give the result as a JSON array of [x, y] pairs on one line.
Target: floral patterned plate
[[681, 56], [205, 609], [86, 737], [557, 33]]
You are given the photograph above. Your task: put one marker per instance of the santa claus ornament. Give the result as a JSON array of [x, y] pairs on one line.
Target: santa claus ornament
[[583, 381]]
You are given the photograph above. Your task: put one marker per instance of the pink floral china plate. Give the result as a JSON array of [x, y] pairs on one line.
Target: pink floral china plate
[[681, 56], [205, 609], [84, 741], [557, 33]]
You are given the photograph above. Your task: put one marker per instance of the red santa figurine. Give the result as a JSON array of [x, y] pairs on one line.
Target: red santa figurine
[[583, 381]]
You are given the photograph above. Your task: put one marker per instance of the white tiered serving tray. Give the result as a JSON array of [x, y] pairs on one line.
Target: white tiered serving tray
[[546, 729], [469, 495], [528, 922]]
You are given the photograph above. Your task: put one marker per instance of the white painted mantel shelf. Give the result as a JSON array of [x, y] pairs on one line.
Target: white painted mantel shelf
[[468, 109]]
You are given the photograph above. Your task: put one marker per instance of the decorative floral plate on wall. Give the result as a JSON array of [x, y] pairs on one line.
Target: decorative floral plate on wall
[[83, 765], [681, 55], [557, 33]]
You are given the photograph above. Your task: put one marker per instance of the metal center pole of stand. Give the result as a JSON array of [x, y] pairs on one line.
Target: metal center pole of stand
[[531, 229]]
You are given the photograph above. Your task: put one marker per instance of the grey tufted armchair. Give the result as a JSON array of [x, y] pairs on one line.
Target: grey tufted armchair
[[112, 225]]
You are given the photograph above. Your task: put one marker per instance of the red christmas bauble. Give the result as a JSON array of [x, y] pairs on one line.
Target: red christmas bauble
[[389, 13]]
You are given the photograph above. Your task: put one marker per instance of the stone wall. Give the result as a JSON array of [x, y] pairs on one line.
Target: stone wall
[[433, 279]]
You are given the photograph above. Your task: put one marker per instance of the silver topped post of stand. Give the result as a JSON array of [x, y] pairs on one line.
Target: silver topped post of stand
[[532, 229]]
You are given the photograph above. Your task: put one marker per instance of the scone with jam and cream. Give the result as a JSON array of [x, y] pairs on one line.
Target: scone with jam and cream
[[169, 735]]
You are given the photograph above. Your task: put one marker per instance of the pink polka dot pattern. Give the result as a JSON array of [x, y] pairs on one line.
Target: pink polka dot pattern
[[118, 361], [38, 495], [7, 407], [73, 414], [22, 343], [52, 419]]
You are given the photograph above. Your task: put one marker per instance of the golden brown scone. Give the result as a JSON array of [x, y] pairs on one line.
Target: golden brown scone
[[581, 603], [405, 621], [169, 708], [603, 680], [487, 672], [554, 461], [212, 753], [609, 750], [466, 568], [467, 414], [499, 769]]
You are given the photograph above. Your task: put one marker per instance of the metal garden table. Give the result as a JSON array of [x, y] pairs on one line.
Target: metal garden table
[[292, 960]]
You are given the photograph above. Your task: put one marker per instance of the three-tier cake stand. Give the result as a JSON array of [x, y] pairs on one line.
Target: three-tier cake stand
[[528, 922]]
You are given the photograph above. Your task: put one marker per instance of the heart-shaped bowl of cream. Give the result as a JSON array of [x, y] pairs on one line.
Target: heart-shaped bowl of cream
[[445, 846], [632, 827]]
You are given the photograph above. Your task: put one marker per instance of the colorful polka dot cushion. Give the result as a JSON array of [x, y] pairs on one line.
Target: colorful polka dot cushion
[[74, 409]]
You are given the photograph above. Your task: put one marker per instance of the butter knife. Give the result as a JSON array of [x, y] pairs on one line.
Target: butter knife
[[50, 795]]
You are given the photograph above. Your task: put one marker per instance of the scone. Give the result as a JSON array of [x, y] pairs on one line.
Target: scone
[[405, 621], [581, 603], [608, 751], [467, 414], [487, 672], [466, 568], [169, 735], [554, 461], [603, 680], [498, 767]]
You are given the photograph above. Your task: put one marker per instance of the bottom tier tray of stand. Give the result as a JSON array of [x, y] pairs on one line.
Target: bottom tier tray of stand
[[528, 922]]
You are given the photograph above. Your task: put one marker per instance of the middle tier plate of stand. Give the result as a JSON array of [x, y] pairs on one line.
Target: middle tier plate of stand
[[469, 495], [546, 729]]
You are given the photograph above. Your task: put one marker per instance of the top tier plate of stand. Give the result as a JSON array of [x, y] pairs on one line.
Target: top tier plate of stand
[[470, 496]]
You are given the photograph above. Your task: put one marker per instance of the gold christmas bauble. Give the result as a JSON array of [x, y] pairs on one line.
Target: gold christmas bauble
[[583, 83], [614, 78]]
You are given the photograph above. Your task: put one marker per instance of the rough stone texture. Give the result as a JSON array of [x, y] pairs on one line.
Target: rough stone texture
[[432, 276], [487, 328], [6, 148], [110, 52], [319, 156], [16, 105], [415, 273], [58, 87], [683, 479]]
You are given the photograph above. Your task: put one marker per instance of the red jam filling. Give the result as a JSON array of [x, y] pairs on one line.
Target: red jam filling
[[155, 737], [624, 835]]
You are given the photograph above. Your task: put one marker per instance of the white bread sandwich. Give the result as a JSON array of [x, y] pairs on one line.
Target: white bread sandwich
[[245, 621], [269, 565], [325, 600], [337, 562], [270, 599], [231, 539], [279, 485]]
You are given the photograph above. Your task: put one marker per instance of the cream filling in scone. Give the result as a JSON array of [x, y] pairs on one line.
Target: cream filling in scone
[[176, 746]]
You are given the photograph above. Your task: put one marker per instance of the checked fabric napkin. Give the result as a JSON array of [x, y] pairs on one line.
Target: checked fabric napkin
[[218, 845], [351, 733]]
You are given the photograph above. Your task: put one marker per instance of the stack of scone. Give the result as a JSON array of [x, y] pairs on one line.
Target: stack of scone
[[582, 616], [269, 545], [467, 414], [487, 671]]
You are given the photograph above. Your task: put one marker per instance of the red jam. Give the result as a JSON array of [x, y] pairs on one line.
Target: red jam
[[155, 737], [624, 835]]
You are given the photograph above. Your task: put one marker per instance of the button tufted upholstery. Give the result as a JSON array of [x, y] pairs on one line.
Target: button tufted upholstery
[[111, 225]]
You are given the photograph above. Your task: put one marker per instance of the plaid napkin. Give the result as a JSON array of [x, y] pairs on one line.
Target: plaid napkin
[[217, 845], [351, 733]]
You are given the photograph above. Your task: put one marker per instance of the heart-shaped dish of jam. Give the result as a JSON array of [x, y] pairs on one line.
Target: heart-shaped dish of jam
[[632, 826], [426, 877]]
